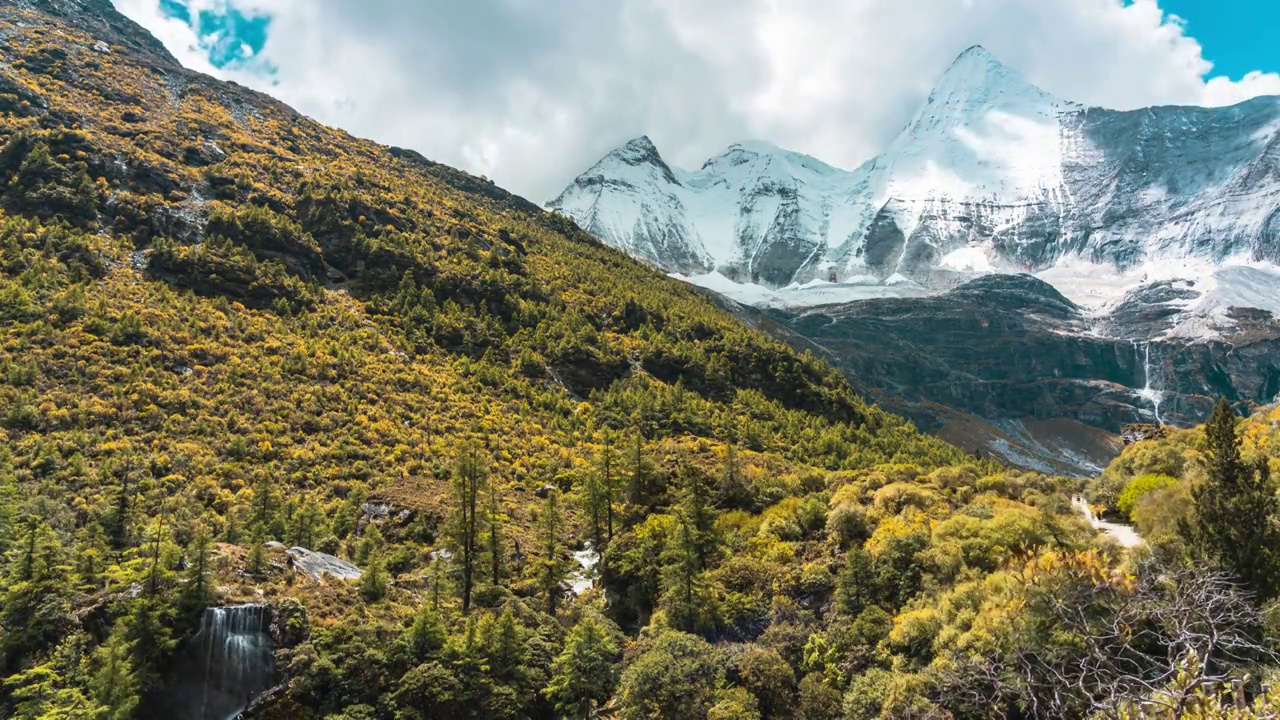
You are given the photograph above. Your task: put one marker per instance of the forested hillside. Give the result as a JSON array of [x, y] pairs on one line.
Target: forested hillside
[[226, 330]]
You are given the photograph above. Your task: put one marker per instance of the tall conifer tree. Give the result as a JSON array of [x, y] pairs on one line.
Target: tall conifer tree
[[1236, 509]]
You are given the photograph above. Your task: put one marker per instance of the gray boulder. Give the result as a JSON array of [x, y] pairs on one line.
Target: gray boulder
[[318, 564]]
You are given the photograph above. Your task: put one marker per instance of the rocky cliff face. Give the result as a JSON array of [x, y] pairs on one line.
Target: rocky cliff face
[[994, 363], [1012, 344]]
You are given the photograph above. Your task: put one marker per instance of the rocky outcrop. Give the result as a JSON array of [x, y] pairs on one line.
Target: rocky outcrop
[[319, 565]]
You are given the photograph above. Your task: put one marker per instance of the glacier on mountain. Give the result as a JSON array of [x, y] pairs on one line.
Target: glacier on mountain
[[992, 175]]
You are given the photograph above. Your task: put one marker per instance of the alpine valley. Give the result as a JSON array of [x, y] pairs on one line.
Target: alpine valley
[[297, 426], [1016, 272]]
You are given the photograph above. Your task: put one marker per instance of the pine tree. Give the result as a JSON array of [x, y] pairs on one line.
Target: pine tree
[[585, 673], [406, 295], [733, 487], [8, 505], [639, 490], [695, 509], [436, 573], [34, 605], [857, 584], [157, 567], [595, 502], [493, 520], [681, 580], [426, 636], [117, 523], [264, 509], [469, 473], [371, 543], [610, 479], [147, 631], [231, 528], [257, 563], [58, 688], [506, 647], [90, 557], [552, 568], [373, 583], [115, 683], [1236, 509], [305, 524], [197, 593], [689, 551]]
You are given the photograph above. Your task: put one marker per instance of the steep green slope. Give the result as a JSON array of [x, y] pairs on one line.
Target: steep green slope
[[224, 326]]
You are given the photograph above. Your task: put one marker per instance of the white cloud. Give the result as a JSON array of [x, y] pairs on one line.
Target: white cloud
[[531, 92]]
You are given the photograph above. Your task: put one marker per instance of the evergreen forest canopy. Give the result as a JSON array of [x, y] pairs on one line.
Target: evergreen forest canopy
[[224, 327]]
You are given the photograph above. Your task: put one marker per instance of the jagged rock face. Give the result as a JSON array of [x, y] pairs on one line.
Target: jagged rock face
[[991, 169]]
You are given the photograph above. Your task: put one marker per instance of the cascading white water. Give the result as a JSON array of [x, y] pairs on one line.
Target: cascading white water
[[228, 663], [583, 579], [239, 663], [1149, 393]]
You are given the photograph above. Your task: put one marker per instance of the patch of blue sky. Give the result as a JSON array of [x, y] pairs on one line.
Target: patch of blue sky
[[1237, 36], [176, 9], [230, 37]]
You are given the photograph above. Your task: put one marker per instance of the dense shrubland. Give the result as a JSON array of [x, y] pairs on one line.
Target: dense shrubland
[[223, 325]]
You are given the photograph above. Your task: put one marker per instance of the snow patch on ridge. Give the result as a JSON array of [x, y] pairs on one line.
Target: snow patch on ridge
[[1216, 289]]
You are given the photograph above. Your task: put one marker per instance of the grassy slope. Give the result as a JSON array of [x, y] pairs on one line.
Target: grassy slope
[[298, 355]]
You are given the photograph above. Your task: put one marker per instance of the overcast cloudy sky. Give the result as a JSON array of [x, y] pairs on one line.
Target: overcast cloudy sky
[[532, 92]]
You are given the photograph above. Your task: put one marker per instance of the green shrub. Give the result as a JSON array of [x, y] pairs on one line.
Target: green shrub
[[1139, 486]]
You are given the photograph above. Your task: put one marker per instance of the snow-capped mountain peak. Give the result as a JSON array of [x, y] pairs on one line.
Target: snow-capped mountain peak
[[763, 154], [637, 151], [978, 75], [636, 157], [992, 174], [985, 132]]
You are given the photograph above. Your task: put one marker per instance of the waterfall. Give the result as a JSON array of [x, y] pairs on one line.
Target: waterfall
[[228, 663], [1149, 393], [237, 647]]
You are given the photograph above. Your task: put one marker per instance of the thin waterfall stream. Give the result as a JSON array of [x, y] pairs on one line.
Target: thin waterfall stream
[[583, 579], [1148, 391]]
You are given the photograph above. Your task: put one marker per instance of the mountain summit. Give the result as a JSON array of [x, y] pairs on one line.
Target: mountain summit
[[974, 78], [978, 71]]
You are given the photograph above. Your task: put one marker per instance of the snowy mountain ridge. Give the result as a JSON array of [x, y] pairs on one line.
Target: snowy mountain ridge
[[992, 175]]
